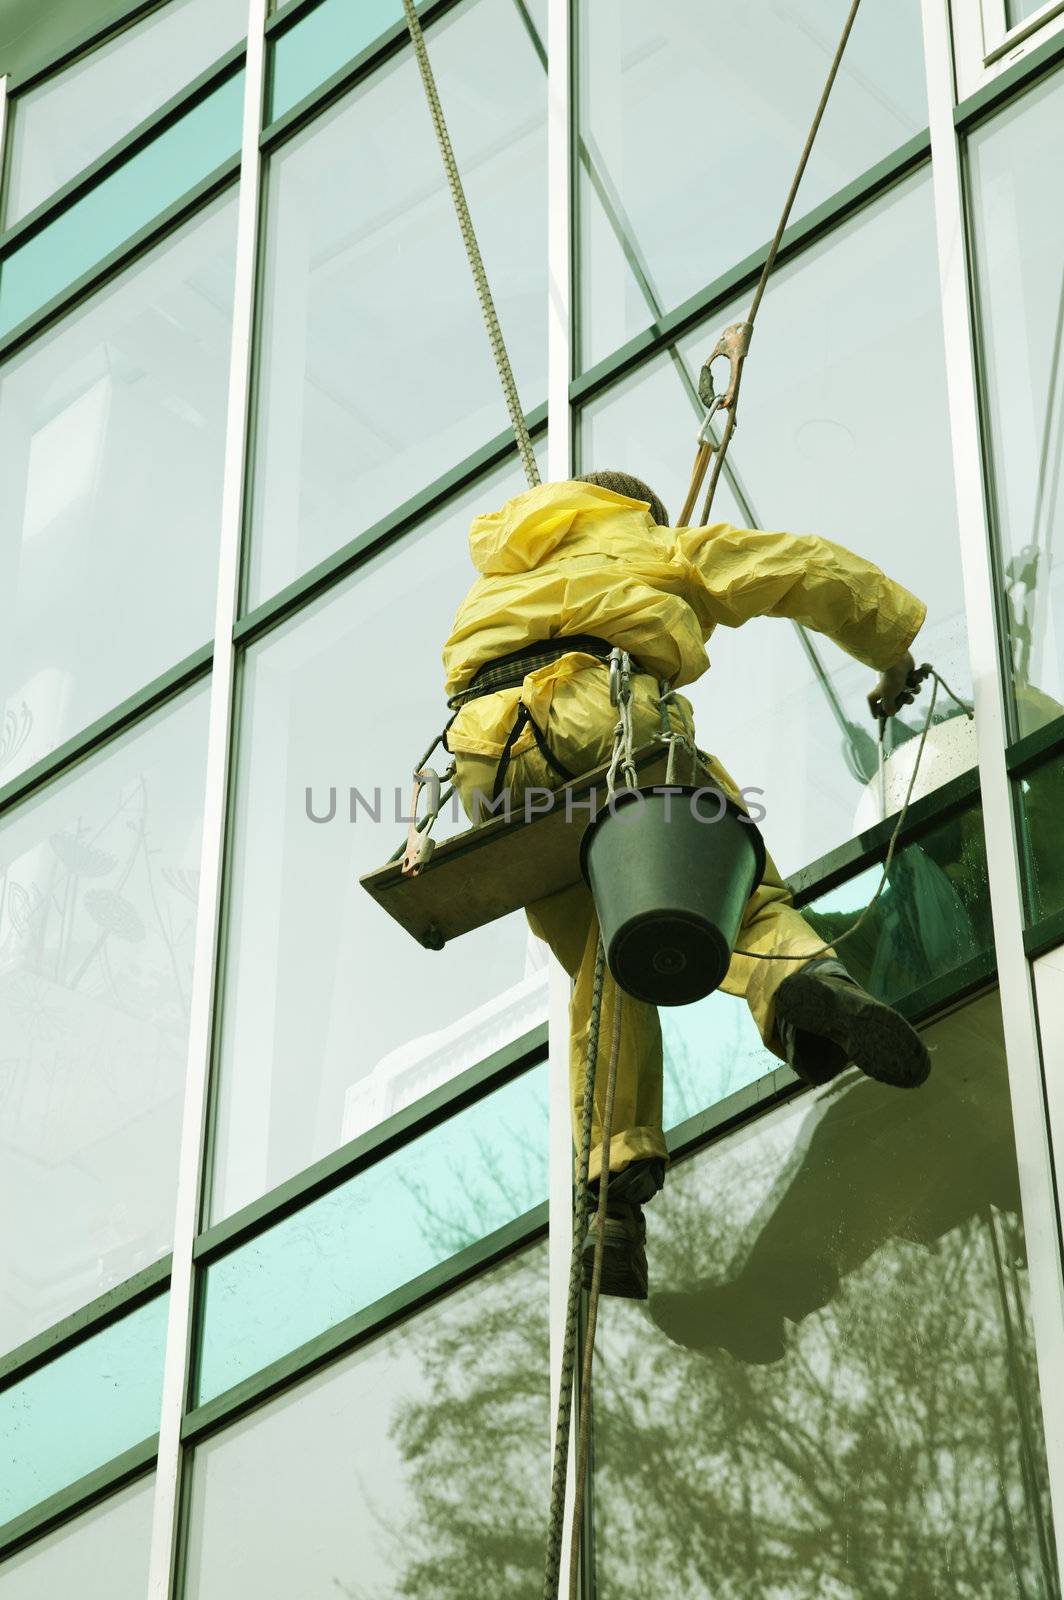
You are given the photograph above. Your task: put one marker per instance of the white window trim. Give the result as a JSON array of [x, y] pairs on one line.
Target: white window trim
[[984, 45]]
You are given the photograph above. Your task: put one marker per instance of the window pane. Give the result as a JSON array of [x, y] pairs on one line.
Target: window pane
[[382, 1228], [81, 1410], [101, 1555], [333, 33], [1020, 250], [839, 1317], [692, 120], [1043, 808], [845, 381], [349, 1484], [360, 411], [932, 917], [112, 434], [89, 229], [317, 1040], [98, 886], [1017, 11], [62, 126]]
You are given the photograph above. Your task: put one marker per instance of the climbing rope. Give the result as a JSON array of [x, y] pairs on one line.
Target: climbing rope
[[623, 759], [469, 239], [734, 343]]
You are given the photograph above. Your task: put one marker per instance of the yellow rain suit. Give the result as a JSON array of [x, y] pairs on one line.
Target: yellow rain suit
[[573, 558]]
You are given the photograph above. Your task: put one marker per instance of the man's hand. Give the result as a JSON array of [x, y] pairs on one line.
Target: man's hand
[[896, 688]]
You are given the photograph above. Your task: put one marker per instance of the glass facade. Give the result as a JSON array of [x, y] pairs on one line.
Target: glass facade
[[1020, 245], [842, 1325], [98, 894], [248, 412], [76, 115]]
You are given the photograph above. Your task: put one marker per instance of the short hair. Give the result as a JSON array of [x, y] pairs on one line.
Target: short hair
[[634, 488]]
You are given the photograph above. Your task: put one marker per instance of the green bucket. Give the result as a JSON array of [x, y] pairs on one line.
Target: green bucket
[[671, 875]]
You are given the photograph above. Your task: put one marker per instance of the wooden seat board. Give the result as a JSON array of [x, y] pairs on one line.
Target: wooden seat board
[[498, 866]]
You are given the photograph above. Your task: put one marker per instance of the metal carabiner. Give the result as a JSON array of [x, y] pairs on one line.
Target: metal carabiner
[[620, 676], [733, 345]]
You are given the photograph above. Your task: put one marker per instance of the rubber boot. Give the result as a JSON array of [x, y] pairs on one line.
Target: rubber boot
[[624, 1254], [826, 1021]]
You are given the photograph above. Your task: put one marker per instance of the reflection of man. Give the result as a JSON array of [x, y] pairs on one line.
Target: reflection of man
[[568, 571]]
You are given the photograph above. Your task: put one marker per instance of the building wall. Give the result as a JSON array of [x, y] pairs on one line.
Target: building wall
[[278, 1296]]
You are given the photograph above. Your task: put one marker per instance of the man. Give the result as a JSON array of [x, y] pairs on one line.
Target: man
[[567, 572]]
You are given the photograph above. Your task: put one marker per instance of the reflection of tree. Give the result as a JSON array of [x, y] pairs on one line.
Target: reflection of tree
[[101, 890], [849, 1409]]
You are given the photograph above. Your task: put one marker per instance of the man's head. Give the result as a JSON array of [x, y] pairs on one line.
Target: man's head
[[634, 488]]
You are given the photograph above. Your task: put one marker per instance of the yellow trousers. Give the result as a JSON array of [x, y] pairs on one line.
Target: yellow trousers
[[571, 703]]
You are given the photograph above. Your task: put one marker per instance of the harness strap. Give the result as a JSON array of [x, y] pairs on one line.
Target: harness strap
[[524, 718]]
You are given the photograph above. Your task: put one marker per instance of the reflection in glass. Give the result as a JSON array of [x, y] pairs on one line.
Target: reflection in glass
[[376, 374], [462, 1180], [1019, 242], [846, 380], [832, 1390], [321, 42], [98, 888], [60, 127], [416, 1466], [1017, 11], [97, 1400], [87, 231], [932, 917], [112, 435], [691, 125], [101, 1555], [333, 1017], [1042, 795]]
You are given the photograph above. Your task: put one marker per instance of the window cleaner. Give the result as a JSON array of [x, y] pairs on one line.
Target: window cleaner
[[579, 573]]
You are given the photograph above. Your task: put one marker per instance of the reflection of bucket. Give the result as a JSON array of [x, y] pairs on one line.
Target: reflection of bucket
[[671, 883]]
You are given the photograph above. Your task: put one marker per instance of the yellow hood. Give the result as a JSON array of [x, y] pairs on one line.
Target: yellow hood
[[532, 525]]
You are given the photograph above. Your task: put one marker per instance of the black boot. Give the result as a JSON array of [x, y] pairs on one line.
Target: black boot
[[826, 1021], [624, 1255]]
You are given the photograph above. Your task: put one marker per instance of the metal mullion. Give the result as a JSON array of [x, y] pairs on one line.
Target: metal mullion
[[855, 856], [168, 1485], [100, 733], [4, 109], [346, 76], [365, 546], [1031, 1097], [81, 44], [1014, 80], [77, 1497], [120, 257], [1034, 748], [1044, 935], [84, 1323], [167, 115], [367, 1324], [426, 1113], [560, 296], [800, 236]]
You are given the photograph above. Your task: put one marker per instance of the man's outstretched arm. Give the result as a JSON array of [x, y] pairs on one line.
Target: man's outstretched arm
[[745, 573]]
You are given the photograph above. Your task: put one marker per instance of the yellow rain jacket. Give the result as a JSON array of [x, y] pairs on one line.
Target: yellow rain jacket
[[569, 558]]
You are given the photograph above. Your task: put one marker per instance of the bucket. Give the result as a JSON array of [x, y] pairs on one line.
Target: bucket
[[671, 879]]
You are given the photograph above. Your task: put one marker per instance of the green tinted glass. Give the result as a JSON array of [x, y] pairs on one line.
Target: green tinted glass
[[383, 1227], [1042, 794], [833, 1388], [87, 231], [100, 1555], [324, 40], [81, 1410], [932, 917]]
